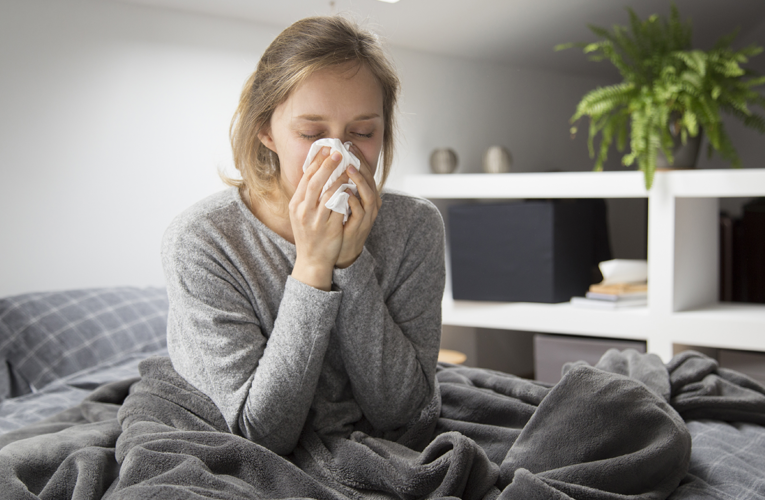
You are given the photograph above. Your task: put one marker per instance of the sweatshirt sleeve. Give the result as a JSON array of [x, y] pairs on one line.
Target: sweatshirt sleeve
[[390, 343], [263, 386]]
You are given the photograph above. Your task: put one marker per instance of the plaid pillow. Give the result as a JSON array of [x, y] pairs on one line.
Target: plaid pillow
[[46, 336], [12, 384]]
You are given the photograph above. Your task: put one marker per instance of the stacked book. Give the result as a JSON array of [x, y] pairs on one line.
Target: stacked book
[[624, 285], [614, 296]]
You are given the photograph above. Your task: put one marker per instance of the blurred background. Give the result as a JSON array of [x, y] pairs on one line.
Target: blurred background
[[115, 114]]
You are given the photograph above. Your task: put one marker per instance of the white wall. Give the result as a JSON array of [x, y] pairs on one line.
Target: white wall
[[115, 118]]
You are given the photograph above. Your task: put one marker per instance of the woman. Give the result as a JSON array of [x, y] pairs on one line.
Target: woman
[[283, 315]]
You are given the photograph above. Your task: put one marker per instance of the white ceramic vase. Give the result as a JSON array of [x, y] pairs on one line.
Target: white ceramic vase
[[497, 160]]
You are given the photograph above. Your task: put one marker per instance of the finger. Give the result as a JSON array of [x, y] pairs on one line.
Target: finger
[[319, 179], [313, 167], [357, 213], [369, 196], [317, 161], [365, 169], [337, 219], [343, 179]]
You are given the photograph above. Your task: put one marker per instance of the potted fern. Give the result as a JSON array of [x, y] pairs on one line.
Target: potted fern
[[669, 94]]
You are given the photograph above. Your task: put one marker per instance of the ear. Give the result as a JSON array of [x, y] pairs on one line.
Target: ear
[[264, 135]]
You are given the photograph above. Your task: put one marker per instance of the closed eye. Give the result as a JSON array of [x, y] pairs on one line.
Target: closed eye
[[305, 136]]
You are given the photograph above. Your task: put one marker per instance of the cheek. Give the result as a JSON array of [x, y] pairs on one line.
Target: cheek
[[371, 153], [291, 158]]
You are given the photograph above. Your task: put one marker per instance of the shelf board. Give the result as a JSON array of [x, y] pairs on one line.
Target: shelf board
[[564, 318], [715, 183], [528, 185], [723, 325], [706, 183]]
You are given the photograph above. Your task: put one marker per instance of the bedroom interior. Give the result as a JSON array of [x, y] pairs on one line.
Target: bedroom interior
[[116, 118], [144, 90]]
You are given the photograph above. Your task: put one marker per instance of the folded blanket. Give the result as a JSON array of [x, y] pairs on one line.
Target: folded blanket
[[608, 431]]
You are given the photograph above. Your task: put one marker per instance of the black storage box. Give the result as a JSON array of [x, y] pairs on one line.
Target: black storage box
[[534, 251]]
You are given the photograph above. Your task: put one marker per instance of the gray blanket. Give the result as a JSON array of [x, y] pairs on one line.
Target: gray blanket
[[611, 431]]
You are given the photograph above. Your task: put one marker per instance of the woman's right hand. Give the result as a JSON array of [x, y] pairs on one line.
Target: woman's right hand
[[318, 231]]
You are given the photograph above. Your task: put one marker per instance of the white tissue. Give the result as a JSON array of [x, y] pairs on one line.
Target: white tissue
[[339, 201]]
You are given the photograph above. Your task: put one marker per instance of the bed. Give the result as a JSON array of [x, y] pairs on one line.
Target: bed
[[90, 407]]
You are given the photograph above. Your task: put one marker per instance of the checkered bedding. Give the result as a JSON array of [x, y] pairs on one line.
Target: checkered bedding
[[727, 462], [68, 391], [47, 336]]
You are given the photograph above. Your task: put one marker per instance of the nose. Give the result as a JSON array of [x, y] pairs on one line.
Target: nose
[[343, 136], [337, 131]]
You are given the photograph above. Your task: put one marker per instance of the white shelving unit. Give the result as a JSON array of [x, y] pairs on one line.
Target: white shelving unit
[[683, 258]]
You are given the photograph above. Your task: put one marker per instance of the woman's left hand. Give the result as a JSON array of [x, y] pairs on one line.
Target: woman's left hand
[[363, 211]]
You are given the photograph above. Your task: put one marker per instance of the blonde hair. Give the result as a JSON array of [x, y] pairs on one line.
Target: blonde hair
[[305, 47]]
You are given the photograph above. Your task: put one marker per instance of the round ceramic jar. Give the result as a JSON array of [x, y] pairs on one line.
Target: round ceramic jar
[[443, 161]]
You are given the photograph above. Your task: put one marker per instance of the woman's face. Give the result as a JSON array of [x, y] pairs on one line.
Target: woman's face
[[343, 102]]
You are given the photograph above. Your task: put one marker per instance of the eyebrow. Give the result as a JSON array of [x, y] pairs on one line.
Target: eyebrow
[[319, 118]]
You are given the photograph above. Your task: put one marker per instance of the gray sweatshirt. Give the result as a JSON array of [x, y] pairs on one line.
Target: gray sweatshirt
[[275, 354]]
